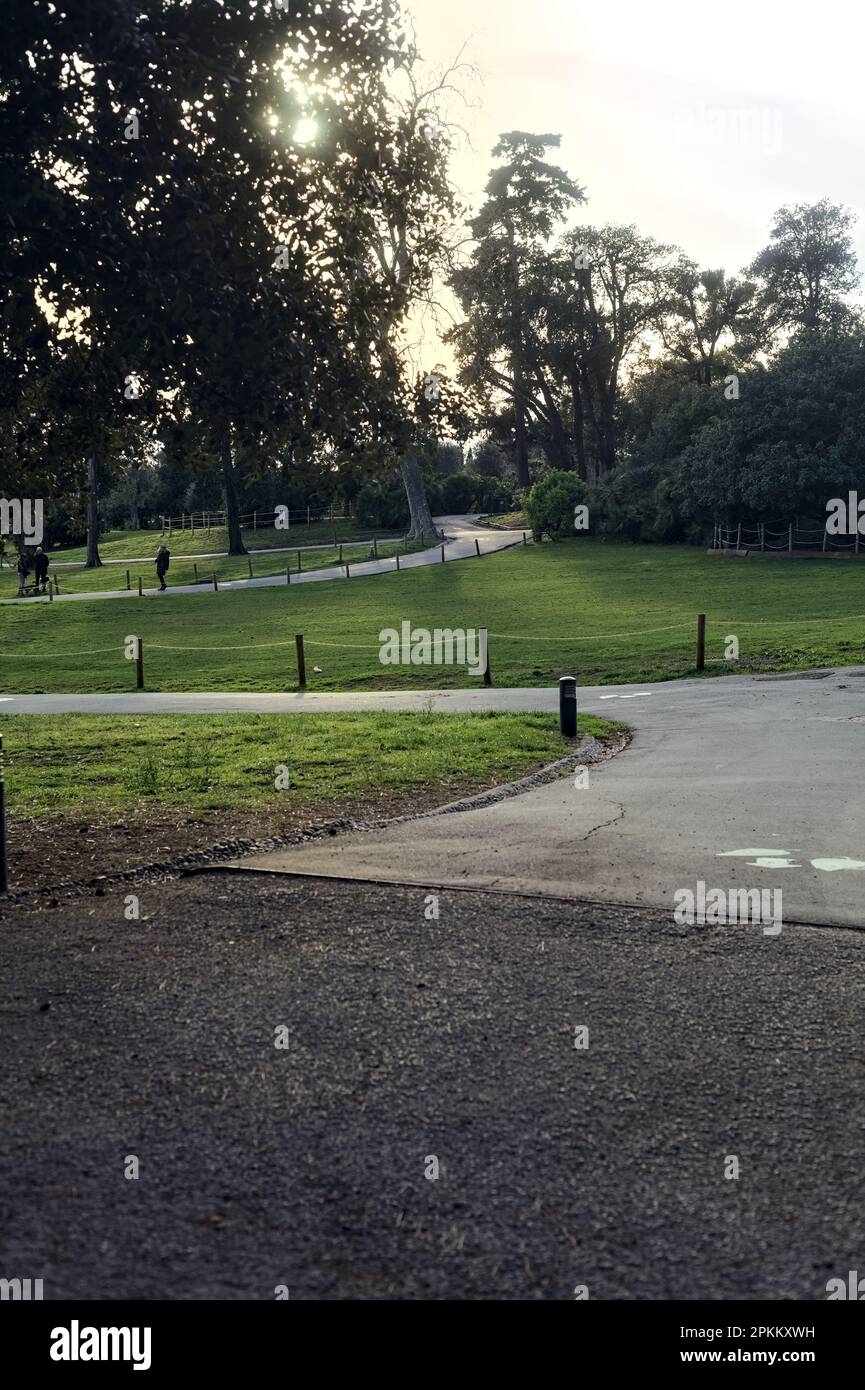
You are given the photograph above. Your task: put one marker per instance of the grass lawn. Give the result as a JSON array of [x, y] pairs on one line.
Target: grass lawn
[[602, 611], [183, 571], [210, 762]]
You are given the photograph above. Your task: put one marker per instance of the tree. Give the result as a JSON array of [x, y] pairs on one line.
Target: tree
[[621, 296], [526, 199], [707, 307], [808, 268]]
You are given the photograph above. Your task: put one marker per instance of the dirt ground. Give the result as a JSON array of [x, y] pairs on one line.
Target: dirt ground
[[55, 850]]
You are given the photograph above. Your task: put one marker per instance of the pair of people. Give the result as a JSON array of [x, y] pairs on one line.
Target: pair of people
[[38, 564]]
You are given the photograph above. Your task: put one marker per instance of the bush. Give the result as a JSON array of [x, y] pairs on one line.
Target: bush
[[379, 506], [458, 492], [550, 505]]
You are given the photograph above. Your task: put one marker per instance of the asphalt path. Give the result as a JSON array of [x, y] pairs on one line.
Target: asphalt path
[[734, 783], [737, 782], [704, 1140], [463, 537]]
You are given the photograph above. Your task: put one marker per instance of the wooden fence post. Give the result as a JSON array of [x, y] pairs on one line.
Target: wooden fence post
[[790, 538], [701, 641], [128, 581], [249, 563], [301, 662], [215, 585], [477, 546], [139, 586], [739, 536], [139, 664]]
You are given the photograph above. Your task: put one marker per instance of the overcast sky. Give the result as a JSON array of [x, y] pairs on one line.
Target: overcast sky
[[693, 121]]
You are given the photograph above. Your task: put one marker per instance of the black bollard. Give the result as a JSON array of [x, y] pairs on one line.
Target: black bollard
[[568, 706]]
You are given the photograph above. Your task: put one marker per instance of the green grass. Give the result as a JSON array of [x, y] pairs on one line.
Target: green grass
[[602, 611], [210, 762], [183, 571], [508, 521]]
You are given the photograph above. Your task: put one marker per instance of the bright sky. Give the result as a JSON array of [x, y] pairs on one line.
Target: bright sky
[[694, 121]]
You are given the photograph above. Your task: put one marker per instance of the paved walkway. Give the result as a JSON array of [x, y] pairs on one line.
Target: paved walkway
[[736, 782], [464, 538]]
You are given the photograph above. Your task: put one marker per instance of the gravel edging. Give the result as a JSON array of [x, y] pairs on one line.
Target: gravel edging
[[590, 750]]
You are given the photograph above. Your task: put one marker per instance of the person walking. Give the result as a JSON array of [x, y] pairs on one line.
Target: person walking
[[40, 569], [23, 568], [163, 559]]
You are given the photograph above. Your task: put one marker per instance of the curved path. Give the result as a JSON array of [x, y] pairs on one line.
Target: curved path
[[463, 536], [767, 765]]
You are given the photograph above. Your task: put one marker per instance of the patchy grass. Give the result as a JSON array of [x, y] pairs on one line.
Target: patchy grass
[[114, 763]]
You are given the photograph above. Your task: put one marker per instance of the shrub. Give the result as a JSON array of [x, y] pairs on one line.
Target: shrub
[[550, 504]]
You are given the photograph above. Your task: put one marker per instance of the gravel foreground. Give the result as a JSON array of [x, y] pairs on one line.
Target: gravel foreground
[[419, 1046]]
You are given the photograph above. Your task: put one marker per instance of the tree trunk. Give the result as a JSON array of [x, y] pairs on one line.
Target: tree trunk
[[93, 561], [232, 508], [579, 427], [418, 506], [520, 434]]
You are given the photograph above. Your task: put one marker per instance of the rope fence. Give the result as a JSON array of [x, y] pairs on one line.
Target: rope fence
[[208, 520], [804, 536], [132, 648]]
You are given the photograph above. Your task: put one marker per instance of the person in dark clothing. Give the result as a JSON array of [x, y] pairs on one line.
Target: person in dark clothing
[[40, 569], [163, 558], [23, 568]]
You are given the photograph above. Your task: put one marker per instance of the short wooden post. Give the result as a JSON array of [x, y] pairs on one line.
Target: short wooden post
[[824, 537], [346, 570], [701, 641], [215, 585], [249, 563], [488, 678], [762, 535], [477, 545], [739, 536], [790, 538], [396, 557], [255, 521], [139, 586], [374, 548], [301, 662], [443, 554], [169, 526], [525, 542], [139, 664], [128, 580], [298, 562], [57, 586], [50, 593], [288, 574], [192, 522], [340, 554]]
